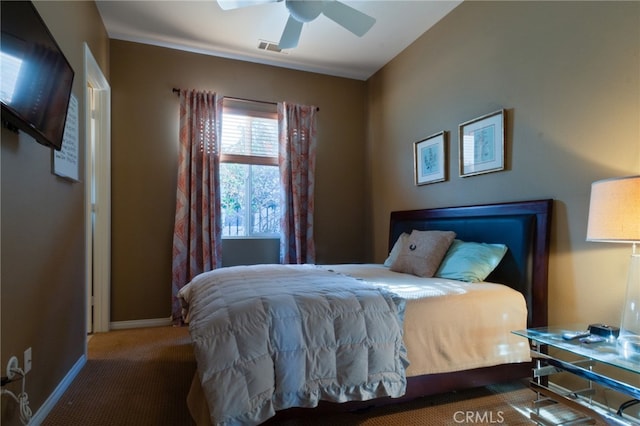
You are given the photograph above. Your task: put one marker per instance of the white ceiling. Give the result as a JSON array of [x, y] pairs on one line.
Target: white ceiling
[[325, 47]]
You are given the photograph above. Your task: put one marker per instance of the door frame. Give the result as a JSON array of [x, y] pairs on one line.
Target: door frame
[[97, 235]]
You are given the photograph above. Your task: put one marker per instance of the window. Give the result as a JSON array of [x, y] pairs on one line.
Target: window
[[249, 174]]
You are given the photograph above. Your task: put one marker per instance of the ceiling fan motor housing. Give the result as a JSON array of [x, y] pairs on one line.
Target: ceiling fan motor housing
[[305, 11]]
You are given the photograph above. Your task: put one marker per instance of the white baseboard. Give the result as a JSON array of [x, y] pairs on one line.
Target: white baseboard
[[153, 322], [55, 396]]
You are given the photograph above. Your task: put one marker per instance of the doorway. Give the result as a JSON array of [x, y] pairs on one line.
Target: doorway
[[97, 195]]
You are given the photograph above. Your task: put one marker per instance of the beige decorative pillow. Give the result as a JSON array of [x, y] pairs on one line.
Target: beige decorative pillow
[[393, 255], [422, 251]]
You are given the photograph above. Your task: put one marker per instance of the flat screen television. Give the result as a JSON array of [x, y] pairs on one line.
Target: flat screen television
[[36, 78]]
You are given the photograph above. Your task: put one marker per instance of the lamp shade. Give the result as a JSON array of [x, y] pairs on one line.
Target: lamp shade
[[614, 210]]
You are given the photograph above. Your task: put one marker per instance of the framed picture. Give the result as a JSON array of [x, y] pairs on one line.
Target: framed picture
[[429, 159], [482, 144]]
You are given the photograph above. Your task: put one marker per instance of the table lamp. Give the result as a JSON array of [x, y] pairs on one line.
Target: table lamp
[[614, 216]]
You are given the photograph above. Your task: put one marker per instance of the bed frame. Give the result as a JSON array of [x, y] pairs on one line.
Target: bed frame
[[525, 227]]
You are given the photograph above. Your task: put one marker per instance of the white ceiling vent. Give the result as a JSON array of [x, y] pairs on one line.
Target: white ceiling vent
[[270, 46]]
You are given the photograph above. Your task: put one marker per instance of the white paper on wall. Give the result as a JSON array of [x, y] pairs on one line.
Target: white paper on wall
[[65, 161]]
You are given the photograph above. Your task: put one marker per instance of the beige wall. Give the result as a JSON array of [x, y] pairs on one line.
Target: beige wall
[[144, 160], [568, 74], [42, 232]]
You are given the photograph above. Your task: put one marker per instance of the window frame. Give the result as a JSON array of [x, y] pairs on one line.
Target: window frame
[[255, 109]]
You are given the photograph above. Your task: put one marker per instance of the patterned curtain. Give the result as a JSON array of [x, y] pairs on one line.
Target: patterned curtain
[[297, 161], [198, 230]]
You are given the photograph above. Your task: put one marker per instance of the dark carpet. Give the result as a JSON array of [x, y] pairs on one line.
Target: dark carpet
[[142, 377]]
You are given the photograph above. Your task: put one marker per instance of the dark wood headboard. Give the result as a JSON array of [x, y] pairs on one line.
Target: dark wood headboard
[[524, 227]]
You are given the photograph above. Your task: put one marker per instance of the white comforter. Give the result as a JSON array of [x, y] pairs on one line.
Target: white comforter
[[269, 337]]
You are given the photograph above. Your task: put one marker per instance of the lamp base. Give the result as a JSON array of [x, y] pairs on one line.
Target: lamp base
[[629, 344], [629, 338]]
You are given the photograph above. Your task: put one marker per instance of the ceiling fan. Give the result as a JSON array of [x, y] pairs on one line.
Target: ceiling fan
[[303, 11]]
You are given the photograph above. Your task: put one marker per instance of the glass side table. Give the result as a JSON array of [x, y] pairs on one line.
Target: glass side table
[[598, 365]]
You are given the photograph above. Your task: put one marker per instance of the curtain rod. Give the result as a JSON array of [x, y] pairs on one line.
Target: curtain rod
[[177, 91]]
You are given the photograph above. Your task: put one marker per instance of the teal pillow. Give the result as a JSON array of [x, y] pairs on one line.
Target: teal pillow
[[471, 262]]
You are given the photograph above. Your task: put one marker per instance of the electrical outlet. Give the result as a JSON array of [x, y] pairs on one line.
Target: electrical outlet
[[27, 360], [12, 364]]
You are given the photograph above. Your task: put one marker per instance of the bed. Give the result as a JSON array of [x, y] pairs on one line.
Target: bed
[[405, 355]]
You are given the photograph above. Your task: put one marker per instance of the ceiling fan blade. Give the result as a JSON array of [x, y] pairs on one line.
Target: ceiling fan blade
[[351, 19], [291, 34], [237, 4]]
